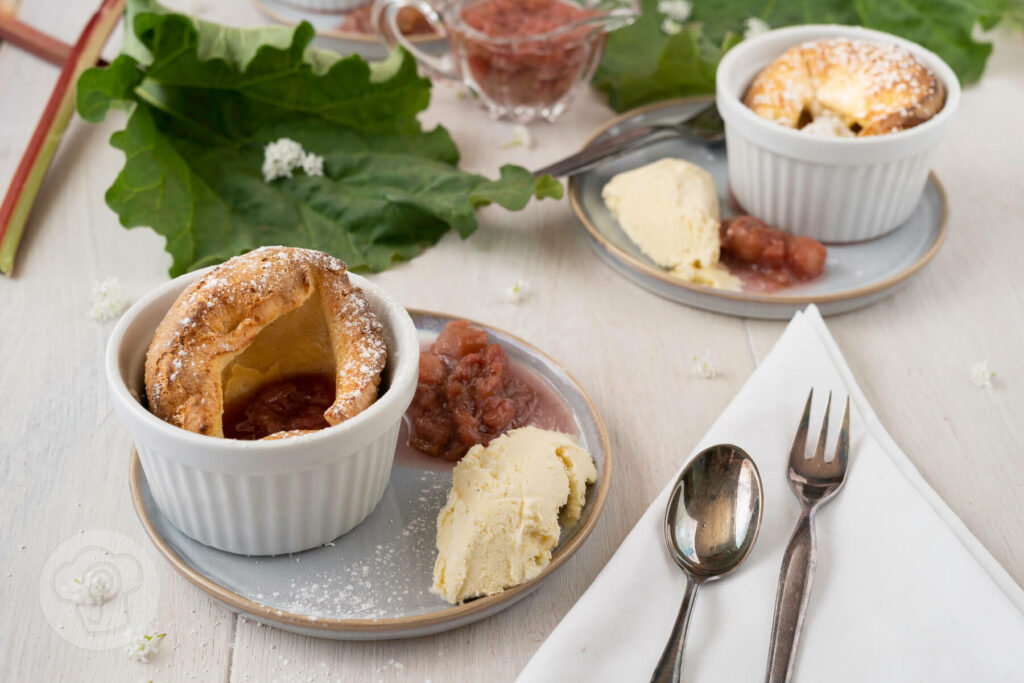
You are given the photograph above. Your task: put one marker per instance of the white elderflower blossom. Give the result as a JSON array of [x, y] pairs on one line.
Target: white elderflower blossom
[[704, 366], [107, 300], [142, 646], [981, 376], [754, 26], [671, 27], [280, 157], [521, 137], [95, 588], [676, 10], [313, 164], [517, 292]]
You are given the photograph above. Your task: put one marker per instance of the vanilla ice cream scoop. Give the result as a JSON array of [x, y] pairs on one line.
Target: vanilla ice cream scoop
[[669, 209], [501, 521]]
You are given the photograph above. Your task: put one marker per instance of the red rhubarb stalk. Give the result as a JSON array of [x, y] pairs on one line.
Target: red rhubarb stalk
[[30, 172]]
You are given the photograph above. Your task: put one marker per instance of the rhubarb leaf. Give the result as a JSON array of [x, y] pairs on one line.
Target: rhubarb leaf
[[208, 99], [642, 63]]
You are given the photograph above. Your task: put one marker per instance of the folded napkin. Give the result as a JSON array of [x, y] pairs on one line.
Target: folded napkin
[[902, 591]]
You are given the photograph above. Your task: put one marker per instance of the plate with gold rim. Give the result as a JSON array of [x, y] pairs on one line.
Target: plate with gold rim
[[856, 275], [374, 582]]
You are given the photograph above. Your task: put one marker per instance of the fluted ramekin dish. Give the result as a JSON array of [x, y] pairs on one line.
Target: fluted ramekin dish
[[831, 189], [264, 497]]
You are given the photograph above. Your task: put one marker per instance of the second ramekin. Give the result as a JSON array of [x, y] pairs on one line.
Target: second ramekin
[[264, 497], [831, 189]]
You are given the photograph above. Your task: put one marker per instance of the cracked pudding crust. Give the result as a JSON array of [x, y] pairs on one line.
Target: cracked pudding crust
[[852, 88], [272, 314]]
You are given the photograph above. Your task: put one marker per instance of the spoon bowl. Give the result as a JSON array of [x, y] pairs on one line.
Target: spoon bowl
[[714, 513], [711, 523]]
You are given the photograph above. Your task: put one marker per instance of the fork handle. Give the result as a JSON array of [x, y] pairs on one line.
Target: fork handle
[[791, 600], [596, 152]]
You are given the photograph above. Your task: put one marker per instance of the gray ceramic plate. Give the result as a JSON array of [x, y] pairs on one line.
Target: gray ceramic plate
[[330, 37], [373, 582], [856, 275]]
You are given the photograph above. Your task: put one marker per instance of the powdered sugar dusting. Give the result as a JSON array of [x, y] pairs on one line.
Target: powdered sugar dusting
[[381, 569], [860, 82]]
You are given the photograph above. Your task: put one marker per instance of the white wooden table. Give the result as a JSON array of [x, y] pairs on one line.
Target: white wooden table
[[64, 457]]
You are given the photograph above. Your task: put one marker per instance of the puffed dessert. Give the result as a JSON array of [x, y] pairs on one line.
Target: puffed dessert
[[846, 88], [253, 324]]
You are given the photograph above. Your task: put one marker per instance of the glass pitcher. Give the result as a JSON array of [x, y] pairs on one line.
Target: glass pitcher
[[524, 59]]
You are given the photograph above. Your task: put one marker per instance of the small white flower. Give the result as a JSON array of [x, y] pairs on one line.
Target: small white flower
[[981, 376], [677, 10], [671, 27], [280, 157], [520, 138], [517, 292], [754, 26], [95, 588], [142, 646], [313, 164], [704, 366], [107, 300]]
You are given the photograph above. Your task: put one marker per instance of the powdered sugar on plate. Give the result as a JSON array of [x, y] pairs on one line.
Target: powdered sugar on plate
[[382, 569]]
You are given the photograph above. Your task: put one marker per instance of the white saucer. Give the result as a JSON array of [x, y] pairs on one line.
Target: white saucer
[[373, 583], [856, 275]]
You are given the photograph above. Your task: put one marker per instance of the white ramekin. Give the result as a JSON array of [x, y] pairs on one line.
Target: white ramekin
[[831, 189], [264, 497]]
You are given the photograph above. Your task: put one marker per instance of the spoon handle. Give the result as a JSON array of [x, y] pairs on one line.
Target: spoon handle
[[795, 581], [670, 666]]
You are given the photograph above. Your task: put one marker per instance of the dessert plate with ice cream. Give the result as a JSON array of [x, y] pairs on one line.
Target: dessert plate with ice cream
[[426, 559], [642, 236]]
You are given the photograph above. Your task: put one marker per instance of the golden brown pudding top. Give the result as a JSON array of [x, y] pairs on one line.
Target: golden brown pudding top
[[844, 88], [262, 318]]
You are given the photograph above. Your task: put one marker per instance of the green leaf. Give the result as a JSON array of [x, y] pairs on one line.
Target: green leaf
[[942, 26], [208, 99], [100, 89], [642, 64], [548, 187]]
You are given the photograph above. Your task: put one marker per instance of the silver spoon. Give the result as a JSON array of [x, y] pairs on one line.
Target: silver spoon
[[711, 523]]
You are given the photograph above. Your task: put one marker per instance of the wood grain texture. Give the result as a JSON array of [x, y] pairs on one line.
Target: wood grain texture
[[64, 457]]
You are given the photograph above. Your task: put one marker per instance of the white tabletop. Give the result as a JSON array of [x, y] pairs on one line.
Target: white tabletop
[[64, 456]]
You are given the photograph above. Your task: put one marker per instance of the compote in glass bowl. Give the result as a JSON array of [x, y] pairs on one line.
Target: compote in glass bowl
[[525, 59]]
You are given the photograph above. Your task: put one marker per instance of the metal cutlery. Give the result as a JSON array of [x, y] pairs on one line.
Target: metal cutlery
[[711, 523], [706, 127], [814, 481]]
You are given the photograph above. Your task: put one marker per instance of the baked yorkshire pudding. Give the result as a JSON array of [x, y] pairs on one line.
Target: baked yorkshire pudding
[[279, 338], [846, 88]]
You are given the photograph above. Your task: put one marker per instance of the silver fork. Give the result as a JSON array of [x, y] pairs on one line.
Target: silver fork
[[814, 481], [705, 126]]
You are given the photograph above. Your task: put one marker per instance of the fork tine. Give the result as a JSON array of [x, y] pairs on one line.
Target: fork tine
[[819, 449], [799, 449], [843, 444]]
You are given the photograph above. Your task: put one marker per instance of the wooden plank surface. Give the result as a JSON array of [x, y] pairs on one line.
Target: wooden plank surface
[[63, 455]]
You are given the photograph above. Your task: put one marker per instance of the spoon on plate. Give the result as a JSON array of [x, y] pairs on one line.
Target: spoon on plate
[[711, 523]]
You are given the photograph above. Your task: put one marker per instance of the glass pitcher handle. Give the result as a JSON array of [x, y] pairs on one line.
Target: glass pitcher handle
[[385, 23]]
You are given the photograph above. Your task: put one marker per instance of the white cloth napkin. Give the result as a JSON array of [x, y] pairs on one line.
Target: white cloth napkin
[[902, 591]]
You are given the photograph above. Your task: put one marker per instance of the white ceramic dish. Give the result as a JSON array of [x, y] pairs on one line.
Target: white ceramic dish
[[831, 189], [264, 497], [373, 583], [856, 275]]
